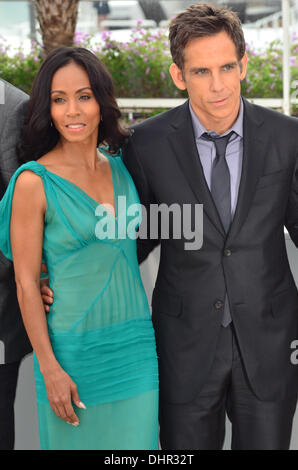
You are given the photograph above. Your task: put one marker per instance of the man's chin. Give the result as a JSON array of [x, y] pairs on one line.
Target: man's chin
[[222, 112]]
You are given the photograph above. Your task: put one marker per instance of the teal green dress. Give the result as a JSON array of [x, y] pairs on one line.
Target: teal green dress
[[99, 324]]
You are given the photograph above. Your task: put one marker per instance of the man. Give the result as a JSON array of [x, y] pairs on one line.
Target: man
[[225, 315], [14, 344]]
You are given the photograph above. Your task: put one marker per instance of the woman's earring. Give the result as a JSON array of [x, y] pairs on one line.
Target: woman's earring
[[51, 123]]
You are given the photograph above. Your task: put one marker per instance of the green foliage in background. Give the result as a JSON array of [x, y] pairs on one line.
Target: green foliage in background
[[140, 66]]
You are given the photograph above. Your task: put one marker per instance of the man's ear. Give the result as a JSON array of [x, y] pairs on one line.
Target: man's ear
[[243, 67], [177, 76]]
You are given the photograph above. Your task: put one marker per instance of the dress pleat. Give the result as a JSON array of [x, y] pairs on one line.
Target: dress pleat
[[99, 324]]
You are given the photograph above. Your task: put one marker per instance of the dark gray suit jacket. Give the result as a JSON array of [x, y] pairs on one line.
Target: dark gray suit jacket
[[250, 262], [14, 343]]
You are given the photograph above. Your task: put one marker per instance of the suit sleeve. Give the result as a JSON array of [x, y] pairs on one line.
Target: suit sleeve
[[291, 222], [133, 164], [12, 115]]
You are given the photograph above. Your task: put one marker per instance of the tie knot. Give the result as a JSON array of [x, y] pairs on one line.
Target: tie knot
[[220, 142]]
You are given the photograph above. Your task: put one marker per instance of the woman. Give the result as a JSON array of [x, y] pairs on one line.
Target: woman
[[102, 8], [95, 361]]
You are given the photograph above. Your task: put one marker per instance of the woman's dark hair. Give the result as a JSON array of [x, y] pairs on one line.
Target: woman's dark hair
[[201, 20], [39, 136]]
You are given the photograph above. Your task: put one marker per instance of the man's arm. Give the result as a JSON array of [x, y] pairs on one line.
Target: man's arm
[[291, 222], [12, 114], [132, 162], [12, 332]]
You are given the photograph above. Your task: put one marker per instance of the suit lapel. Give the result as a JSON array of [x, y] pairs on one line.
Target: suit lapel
[[252, 165], [182, 142]]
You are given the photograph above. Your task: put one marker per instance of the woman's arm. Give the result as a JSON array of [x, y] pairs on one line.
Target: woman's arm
[[26, 230]]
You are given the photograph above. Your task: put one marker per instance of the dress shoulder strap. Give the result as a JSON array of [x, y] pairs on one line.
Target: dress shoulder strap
[[6, 205]]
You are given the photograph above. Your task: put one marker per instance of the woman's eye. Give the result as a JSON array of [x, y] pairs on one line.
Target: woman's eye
[[58, 100], [85, 97]]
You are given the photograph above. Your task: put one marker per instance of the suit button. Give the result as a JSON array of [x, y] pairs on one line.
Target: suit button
[[218, 304], [227, 252]]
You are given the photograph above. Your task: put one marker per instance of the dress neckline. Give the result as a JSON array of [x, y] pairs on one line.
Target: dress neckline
[[79, 189]]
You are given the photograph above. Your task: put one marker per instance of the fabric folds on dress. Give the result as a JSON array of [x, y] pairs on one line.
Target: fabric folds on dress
[[99, 324]]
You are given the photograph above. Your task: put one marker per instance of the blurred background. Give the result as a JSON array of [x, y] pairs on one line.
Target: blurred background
[[131, 38], [18, 23]]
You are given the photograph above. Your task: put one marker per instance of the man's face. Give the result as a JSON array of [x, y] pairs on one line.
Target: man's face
[[212, 75]]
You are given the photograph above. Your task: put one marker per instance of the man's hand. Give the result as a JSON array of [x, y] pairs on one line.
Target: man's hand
[[46, 292]]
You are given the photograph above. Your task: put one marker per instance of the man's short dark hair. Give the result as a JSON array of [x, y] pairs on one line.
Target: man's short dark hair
[[202, 20]]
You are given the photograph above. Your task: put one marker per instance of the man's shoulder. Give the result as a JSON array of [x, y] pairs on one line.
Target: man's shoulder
[[11, 95], [274, 119], [13, 106], [158, 124]]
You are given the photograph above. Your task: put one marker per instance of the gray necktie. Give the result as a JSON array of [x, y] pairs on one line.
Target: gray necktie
[[221, 194]]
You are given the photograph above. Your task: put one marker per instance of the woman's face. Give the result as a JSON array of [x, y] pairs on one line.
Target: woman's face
[[74, 109]]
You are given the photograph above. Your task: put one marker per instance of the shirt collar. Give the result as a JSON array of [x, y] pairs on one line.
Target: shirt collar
[[199, 129]]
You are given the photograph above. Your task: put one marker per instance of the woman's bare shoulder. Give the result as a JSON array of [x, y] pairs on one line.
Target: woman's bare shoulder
[[28, 179], [29, 189]]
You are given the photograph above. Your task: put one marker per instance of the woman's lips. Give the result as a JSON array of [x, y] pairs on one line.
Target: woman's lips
[[75, 127]]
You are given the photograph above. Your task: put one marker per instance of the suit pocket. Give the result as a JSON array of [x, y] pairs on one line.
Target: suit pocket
[[168, 304], [284, 302], [272, 178]]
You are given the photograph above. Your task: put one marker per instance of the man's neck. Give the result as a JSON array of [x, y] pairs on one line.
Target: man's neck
[[220, 126]]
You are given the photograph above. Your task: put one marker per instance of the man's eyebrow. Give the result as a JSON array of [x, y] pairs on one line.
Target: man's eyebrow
[[235, 62], [196, 69], [78, 91]]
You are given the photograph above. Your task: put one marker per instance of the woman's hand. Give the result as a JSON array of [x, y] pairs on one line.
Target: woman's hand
[[61, 392]]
